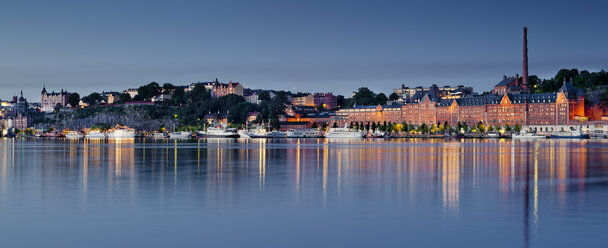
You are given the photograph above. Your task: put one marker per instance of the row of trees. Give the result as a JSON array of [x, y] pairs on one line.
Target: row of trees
[[435, 128]]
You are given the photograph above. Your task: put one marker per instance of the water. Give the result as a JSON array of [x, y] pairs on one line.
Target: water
[[303, 193]]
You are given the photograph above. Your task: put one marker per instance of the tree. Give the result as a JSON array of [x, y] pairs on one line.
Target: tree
[[481, 127], [424, 128], [381, 99], [168, 88], [198, 94], [517, 128], [335, 125], [507, 128], [148, 91], [124, 97], [93, 98], [74, 99], [314, 125], [393, 96], [434, 128], [264, 96], [365, 97], [179, 96], [57, 107]]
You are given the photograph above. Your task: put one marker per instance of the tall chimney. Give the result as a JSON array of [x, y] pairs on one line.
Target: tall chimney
[[525, 80]]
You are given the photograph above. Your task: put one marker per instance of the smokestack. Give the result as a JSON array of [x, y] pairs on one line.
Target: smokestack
[[525, 80]]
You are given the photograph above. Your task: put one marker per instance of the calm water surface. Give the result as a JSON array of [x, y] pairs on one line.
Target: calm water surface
[[303, 193]]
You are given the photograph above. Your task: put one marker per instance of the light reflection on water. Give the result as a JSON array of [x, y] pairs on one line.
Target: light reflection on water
[[303, 192]]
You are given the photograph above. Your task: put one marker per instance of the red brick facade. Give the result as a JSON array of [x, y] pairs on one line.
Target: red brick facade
[[524, 109]]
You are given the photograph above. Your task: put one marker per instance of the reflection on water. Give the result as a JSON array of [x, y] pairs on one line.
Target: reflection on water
[[343, 192]]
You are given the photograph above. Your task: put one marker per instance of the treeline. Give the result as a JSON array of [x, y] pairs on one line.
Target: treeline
[[189, 108], [589, 81], [363, 96], [432, 129]]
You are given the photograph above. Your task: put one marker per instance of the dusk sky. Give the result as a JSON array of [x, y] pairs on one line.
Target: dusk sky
[[314, 46]]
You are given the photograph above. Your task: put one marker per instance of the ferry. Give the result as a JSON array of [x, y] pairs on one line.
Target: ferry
[[220, 132], [73, 135], [304, 133], [122, 133], [523, 134], [343, 132], [572, 134], [95, 135], [180, 135]]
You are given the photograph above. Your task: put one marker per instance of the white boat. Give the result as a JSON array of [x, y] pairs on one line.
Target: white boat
[[73, 135], [523, 134], [122, 133], [180, 135], [95, 135], [159, 135], [493, 135], [343, 132], [377, 134], [277, 134], [244, 134], [304, 133], [572, 134], [220, 132]]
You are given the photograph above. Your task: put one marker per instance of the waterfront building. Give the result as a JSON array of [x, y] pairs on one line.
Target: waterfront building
[[306, 100], [559, 108], [49, 100], [294, 125], [318, 118], [327, 100]]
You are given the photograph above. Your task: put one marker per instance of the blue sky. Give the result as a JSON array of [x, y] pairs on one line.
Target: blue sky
[[338, 46]]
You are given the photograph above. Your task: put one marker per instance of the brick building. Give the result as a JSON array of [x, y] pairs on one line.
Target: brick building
[[559, 108], [327, 100]]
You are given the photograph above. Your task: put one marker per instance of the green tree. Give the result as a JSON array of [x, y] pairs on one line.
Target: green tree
[[393, 96], [93, 98], [481, 127], [381, 99], [124, 97], [264, 96], [365, 97], [74, 99], [148, 91], [517, 128], [507, 127], [179, 96]]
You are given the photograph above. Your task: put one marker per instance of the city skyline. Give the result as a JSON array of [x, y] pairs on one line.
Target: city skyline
[[297, 47]]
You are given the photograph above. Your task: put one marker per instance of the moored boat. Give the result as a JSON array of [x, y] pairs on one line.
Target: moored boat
[[122, 133], [180, 135], [572, 134], [74, 135], [343, 132], [95, 134], [159, 135], [304, 133], [523, 134], [220, 131]]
